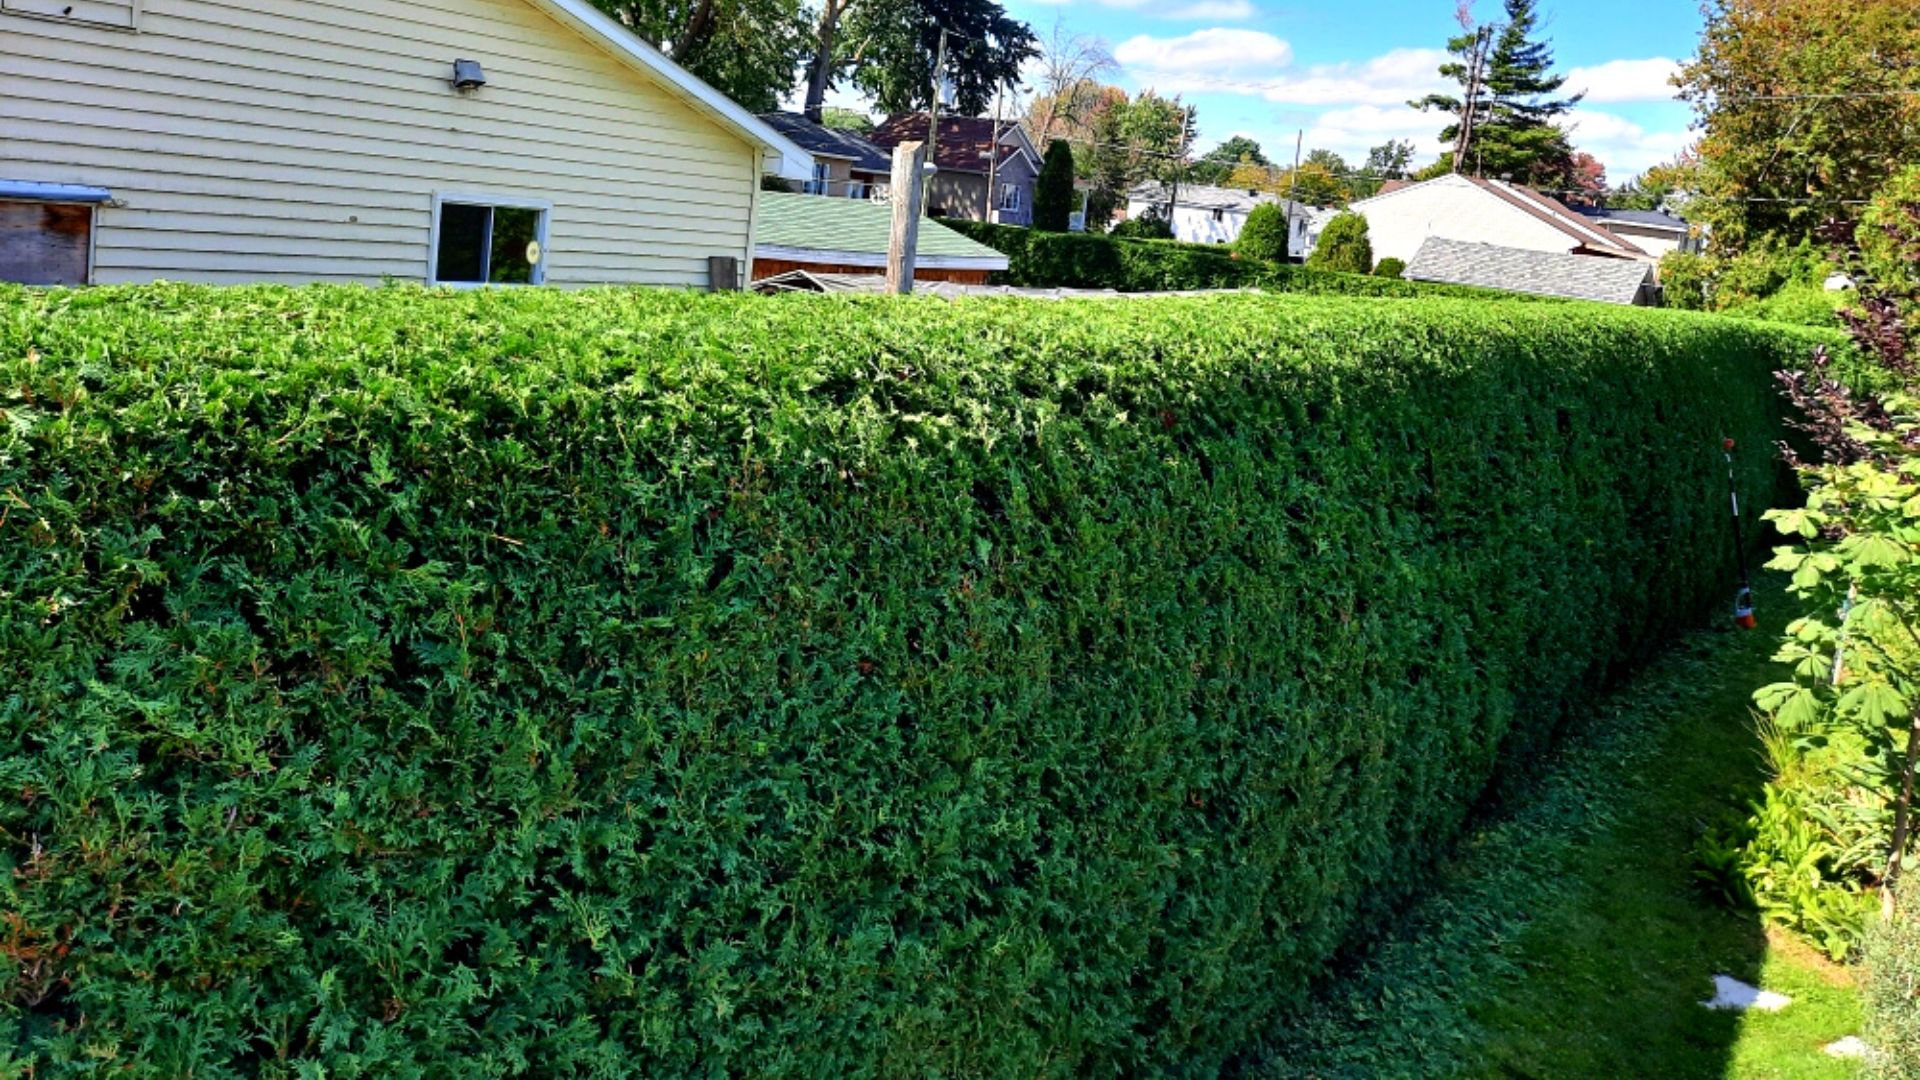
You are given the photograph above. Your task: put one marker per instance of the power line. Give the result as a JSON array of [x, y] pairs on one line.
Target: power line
[[1275, 171]]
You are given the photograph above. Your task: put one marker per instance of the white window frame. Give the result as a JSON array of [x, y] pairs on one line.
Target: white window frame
[[80, 12], [510, 202], [1009, 196], [822, 182]]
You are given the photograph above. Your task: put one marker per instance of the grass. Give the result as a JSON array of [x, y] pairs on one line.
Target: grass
[[1569, 938]]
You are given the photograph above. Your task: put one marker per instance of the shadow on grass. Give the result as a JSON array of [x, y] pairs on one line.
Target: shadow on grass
[[1571, 935]]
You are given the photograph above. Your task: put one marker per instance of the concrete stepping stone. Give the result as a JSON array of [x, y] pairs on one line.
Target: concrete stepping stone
[[1853, 1046], [1731, 993]]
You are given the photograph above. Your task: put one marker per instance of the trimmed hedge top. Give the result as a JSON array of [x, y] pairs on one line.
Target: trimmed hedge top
[[1088, 261], [611, 684]]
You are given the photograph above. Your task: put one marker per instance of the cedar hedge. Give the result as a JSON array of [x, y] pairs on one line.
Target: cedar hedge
[[400, 683], [1088, 261]]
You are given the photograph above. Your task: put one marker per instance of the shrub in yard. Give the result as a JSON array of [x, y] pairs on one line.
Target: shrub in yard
[[1151, 225], [1391, 267], [1053, 191], [1893, 992], [1264, 236], [622, 683], [1343, 246]]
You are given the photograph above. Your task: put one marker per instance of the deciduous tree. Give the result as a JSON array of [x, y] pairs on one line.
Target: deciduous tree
[[985, 48], [1807, 107], [747, 49], [1067, 87], [886, 47], [1222, 161]]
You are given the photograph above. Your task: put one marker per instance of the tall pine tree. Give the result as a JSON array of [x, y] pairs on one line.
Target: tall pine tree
[[1512, 121]]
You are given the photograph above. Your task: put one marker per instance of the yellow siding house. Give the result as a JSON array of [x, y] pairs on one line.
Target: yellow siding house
[[455, 142]]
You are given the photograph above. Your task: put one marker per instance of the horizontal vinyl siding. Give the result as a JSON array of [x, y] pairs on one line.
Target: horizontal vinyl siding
[[305, 142], [1453, 209]]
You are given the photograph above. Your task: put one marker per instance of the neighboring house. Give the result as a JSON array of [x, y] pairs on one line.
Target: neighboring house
[[850, 236], [1543, 273], [1652, 231], [451, 141], [963, 153], [1404, 215], [844, 163], [1215, 215]]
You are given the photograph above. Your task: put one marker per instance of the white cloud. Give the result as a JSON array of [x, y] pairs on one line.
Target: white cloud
[[1187, 11], [1214, 11], [1180, 63], [1352, 132], [1625, 80], [1393, 78], [1624, 147], [1255, 64]]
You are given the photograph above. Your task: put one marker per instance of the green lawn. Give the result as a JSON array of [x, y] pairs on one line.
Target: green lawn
[[1569, 939]]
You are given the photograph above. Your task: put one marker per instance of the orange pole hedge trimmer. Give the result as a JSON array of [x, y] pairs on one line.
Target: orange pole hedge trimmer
[[1743, 600]]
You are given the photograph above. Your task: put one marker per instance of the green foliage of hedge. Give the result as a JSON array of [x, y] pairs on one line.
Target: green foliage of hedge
[[621, 683], [1086, 261], [1391, 267], [1768, 281]]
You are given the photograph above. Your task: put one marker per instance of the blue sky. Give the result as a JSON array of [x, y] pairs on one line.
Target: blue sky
[[1342, 70]]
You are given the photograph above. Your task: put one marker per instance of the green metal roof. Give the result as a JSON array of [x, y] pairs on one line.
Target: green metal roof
[[827, 223]]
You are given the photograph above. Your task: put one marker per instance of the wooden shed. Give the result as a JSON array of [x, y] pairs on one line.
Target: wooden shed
[[827, 235]]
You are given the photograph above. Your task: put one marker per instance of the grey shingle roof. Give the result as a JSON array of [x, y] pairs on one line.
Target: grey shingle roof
[[1650, 218], [1543, 273], [829, 142], [1203, 197]]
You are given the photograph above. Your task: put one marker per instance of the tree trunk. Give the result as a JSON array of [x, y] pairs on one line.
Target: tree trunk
[[1902, 819], [820, 69], [694, 37]]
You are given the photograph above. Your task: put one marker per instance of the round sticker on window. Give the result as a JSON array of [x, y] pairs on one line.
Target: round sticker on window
[[533, 252]]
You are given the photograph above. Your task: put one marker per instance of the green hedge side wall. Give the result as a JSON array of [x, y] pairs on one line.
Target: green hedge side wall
[[1086, 261], [615, 684]]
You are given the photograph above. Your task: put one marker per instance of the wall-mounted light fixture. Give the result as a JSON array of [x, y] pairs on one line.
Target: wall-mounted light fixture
[[468, 76]]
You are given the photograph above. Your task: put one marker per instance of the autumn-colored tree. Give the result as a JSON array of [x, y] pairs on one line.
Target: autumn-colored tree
[[1247, 176], [1586, 180], [1218, 164], [1315, 183], [1067, 88], [1808, 108], [1670, 184]]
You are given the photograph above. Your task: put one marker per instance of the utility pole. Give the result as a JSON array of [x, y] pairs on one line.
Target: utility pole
[[993, 151], [909, 174], [1293, 180], [933, 119]]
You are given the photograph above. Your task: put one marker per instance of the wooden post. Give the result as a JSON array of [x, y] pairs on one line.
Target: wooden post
[[909, 158]]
